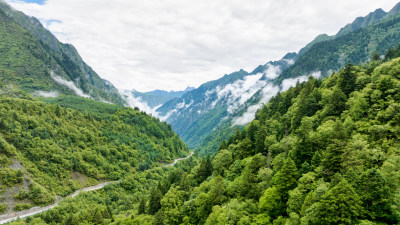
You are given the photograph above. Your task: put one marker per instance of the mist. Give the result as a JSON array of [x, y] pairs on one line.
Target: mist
[[68, 84]]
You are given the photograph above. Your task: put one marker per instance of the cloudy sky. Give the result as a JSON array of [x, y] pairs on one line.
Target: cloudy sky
[[171, 44]]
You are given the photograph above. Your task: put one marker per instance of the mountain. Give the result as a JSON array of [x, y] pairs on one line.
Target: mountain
[[34, 61], [57, 146], [158, 97], [325, 151], [211, 113], [362, 22]]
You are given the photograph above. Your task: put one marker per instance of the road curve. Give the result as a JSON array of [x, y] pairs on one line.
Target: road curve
[[177, 160], [6, 218]]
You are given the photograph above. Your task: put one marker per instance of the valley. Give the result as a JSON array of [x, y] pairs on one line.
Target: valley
[[312, 138]]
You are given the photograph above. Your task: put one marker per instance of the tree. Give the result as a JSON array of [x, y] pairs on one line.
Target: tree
[[340, 205], [170, 205], [271, 203], [155, 200], [333, 159], [286, 179], [222, 161], [205, 169], [375, 196]]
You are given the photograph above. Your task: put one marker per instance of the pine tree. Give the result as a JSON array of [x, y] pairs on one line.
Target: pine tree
[[316, 159], [286, 179], [333, 159], [347, 79], [205, 169], [155, 200]]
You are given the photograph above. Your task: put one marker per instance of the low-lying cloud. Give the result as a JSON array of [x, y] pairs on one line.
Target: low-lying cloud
[[46, 94], [239, 92], [272, 71], [139, 103], [268, 92], [68, 84]]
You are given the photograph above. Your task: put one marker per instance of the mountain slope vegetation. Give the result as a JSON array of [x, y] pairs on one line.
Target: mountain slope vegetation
[[60, 149], [207, 115], [34, 61], [322, 152]]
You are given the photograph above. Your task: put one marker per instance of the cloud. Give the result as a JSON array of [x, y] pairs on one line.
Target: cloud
[[237, 93], [291, 82], [172, 44], [50, 94], [268, 91], [68, 84], [273, 72], [138, 102]]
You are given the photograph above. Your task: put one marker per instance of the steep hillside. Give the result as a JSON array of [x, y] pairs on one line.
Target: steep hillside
[[215, 111], [322, 152], [36, 62], [354, 47], [54, 148]]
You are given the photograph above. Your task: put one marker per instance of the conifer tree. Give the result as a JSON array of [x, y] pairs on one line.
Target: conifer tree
[[155, 200], [286, 179]]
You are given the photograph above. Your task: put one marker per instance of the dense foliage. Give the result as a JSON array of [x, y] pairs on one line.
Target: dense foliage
[[63, 149], [323, 152]]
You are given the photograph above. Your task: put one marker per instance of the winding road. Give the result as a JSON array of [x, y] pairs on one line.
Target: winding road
[[6, 218]]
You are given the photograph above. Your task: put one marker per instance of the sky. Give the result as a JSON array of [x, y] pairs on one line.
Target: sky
[[172, 44]]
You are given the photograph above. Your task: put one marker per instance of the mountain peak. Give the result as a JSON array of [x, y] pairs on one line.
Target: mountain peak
[[361, 22], [394, 11]]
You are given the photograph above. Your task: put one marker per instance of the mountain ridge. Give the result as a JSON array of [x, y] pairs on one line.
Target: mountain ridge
[[66, 61], [188, 114]]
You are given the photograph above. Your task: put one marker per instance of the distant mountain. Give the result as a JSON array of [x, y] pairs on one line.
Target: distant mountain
[[158, 97], [33, 60], [211, 113]]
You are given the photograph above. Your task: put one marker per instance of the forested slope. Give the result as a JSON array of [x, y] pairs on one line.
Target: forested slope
[[323, 152], [34, 61], [48, 150]]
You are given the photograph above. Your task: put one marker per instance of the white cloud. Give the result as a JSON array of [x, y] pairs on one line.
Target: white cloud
[[176, 43], [291, 82], [68, 84], [49, 94], [237, 93], [272, 71], [268, 92], [138, 102]]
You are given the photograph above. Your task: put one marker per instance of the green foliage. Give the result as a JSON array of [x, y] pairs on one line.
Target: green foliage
[[30, 54], [271, 203], [3, 208], [339, 163], [96, 140], [10, 177], [22, 206], [354, 47], [340, 205]]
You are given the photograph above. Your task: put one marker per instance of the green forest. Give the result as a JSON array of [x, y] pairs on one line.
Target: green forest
[[323, 152], [61, 149]]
